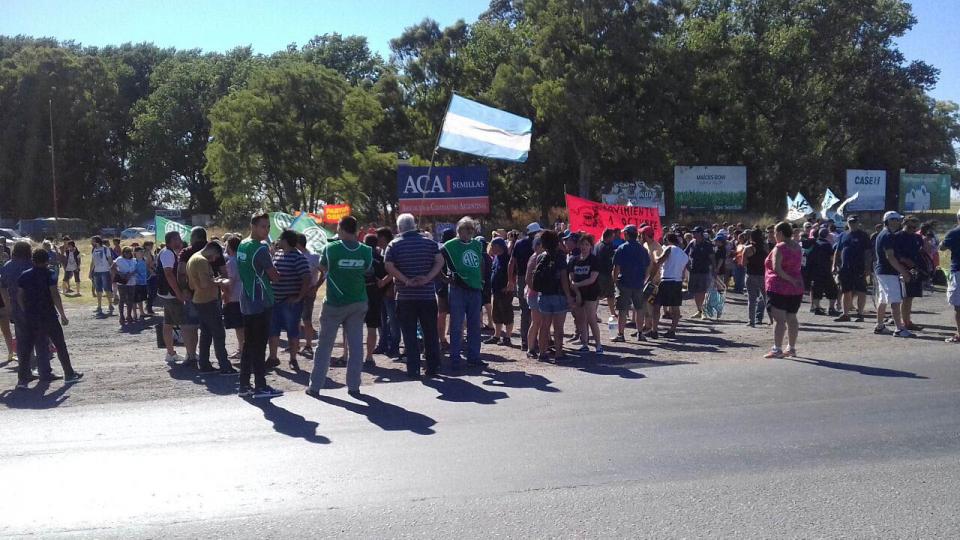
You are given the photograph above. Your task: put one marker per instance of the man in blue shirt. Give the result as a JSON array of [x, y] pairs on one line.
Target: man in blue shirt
[[952, 242], [850, 266], [701, 255], [889, 273], [631, 265]]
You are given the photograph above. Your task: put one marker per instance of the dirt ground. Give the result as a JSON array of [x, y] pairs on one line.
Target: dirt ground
[[127, 365]]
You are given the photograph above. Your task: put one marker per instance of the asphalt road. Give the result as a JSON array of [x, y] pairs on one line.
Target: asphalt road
[[865, 444]]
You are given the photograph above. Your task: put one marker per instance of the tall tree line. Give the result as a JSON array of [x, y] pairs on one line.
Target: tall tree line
[[796, 90]]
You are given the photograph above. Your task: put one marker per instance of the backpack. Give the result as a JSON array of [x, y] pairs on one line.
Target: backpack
[[545, 275]]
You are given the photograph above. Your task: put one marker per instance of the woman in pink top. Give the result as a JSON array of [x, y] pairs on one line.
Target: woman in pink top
[[784, 284]]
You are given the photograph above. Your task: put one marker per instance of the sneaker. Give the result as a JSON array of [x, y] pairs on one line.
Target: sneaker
[[584, 348], [245, 392], [273, 362], [859, 318], [491, 341], [792, 353], [818, 311], [73, 377], [12, 357], [669, 334], [266, 392], [619, 339], [533, 354], [833, 313], [50, 378], [307, 351], [208, 368], [294, 365], [842, 318], [653, 334], [774, 353], [228, 370], [338, 362], [369, 363], [904, 333], [505, 342], [599, 349], [881, 330]]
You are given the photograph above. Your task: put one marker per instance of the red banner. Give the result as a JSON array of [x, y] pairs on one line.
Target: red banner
[[333, 213], [593, 217]]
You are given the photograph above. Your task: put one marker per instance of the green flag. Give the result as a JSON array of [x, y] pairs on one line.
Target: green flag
[[316, 235], [164, 225], [278, 222]]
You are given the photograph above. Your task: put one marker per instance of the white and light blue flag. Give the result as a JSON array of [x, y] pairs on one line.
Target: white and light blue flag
[[477, 129]]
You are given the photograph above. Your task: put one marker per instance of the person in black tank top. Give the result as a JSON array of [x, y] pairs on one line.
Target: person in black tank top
[[753, 259]]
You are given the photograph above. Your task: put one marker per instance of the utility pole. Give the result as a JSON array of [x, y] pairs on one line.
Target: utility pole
[[53, 174]]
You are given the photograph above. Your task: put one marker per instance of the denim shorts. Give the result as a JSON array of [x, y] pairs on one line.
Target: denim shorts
[[286, 318], [552, 304], [101, 282], [191, 317]]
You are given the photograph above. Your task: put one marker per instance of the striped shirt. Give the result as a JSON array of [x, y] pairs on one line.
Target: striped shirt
[[413, 255], [292, 266]]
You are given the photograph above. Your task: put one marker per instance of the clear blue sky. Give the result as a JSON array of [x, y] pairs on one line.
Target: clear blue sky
[[270, 25]]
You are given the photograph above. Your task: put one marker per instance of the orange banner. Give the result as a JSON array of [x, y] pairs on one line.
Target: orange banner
[[593, 217], [333, 213]]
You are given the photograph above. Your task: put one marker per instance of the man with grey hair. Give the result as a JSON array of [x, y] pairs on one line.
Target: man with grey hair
[[414, 262], [464, 258]]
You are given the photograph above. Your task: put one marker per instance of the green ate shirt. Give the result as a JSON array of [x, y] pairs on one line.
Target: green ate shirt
[[346, 270], [467, 260]]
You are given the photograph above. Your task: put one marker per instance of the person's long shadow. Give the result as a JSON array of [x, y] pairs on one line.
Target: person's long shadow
[[518, 379], [387, 375], [299, 376], [386, 416], [35, 398], [461, 391], [618, 371], [857, 368], [288, 423], [215, 383]]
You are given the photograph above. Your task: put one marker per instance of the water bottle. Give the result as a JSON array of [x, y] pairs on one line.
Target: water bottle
[[612, 327]]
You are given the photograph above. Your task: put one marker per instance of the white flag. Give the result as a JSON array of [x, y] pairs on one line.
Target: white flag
[[799, 209], [829, 199], [844, 204]]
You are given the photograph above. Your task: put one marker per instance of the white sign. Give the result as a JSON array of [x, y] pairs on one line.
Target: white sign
[[872, 187], [636, 194], [712, 187]]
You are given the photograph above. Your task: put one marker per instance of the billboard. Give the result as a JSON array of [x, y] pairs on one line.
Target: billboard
[[636, 194], [922, 192], [872, 187], [710, 187], [446, 191]]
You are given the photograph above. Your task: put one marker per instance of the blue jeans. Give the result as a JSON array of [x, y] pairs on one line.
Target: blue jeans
[[465, 303], [739, 275], [390, 331]]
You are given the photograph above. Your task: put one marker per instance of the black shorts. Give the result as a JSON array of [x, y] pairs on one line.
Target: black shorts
[[502, 308], [824, 288], [232, 317], [785, 302], [374, 307], [487, 295], [914, 289], [853, 282], [670, 294]]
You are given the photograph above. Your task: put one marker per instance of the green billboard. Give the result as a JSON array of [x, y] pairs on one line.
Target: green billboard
[[922, 192]]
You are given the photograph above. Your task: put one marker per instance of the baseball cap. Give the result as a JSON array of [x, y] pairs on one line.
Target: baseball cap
[[721, 236], [891, 215], [534, 228], [697, 229]]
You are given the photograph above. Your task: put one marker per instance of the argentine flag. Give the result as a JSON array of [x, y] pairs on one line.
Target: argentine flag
[[476, 129]]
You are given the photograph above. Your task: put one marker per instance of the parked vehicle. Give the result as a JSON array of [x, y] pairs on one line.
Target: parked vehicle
[[12, 236], [131, 233]]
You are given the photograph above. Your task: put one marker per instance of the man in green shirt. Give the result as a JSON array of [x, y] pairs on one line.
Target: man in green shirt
[[464, 256], [345, 263]]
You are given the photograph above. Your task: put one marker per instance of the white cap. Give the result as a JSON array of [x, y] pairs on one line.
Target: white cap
[[533, 228], [891, 215]]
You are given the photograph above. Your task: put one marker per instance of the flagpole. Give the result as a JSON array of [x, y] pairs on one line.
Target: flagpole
[[436, 146]]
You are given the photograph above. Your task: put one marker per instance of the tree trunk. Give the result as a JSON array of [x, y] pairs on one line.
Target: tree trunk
[[584, 183]]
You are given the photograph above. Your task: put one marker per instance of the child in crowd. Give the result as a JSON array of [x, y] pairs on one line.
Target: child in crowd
[[71, 266], [123, 273]]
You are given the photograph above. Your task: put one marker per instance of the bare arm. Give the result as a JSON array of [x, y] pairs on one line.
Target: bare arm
[[171, 278], [304, 289], [58, 303], [397, 274]]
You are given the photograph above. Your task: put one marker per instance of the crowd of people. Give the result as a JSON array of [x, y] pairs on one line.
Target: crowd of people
[[436, 298]]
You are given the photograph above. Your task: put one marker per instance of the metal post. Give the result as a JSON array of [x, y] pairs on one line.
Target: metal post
[[53, 175]]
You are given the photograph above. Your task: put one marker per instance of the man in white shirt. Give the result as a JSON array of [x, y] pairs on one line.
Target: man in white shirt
[[672, 262], [101, 260], [169, 293]]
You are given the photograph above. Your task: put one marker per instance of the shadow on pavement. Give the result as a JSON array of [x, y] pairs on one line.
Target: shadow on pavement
[[461, 391], [214, 382], [35, 398], [518, 379], [288, 423], [864, 370], [386, 416]]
